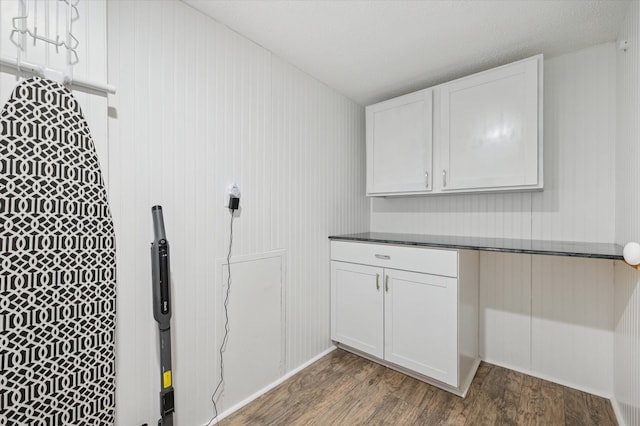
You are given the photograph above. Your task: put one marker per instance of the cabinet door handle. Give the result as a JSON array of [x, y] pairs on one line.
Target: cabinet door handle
[[377, 281], [426, 179], [444, 178], [386, 283], [383, 256]]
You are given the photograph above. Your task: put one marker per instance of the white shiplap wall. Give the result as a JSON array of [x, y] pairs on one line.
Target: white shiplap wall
[[529, 301], [579, 148], [572, 322], [627, 281], [199, 106]]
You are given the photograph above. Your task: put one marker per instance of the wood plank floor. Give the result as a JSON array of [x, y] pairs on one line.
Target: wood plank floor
[[344, 389]]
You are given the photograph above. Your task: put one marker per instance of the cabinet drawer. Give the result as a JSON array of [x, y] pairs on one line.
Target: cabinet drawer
[[418, 259]]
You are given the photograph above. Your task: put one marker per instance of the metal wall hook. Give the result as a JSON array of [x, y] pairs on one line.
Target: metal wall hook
[[69, 42]]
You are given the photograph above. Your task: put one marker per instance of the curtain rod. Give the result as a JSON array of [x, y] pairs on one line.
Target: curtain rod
[[50, 73]]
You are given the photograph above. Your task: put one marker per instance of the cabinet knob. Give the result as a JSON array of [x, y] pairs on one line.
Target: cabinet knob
[[444, 178]]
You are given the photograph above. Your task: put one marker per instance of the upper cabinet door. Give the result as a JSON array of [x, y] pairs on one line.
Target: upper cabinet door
[[399, 145], [491, 129]]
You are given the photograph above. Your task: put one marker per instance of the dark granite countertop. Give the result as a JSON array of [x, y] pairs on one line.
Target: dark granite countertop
[[554, 248]]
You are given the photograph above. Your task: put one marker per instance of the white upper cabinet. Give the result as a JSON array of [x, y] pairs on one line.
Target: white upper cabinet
[[490, 130], [478, 133], [399, 145]]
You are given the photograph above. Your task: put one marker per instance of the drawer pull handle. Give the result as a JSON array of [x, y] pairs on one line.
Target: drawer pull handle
[[386, 283], [383, 256], [377, 281]]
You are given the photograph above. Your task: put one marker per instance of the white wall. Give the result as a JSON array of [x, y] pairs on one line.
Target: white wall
[[530, 304], [199, 106], [627, 280]]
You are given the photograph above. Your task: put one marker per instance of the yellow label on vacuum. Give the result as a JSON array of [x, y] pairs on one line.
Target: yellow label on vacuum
[[167, 378]]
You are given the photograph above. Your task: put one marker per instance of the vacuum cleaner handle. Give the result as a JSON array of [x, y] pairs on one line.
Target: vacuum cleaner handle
[[161, 276], [160, 271]]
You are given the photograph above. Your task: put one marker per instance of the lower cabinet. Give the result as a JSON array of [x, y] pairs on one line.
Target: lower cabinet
[[357, 307], [421, 323]]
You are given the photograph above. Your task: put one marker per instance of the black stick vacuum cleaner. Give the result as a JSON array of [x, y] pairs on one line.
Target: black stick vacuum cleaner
[[160, 274]]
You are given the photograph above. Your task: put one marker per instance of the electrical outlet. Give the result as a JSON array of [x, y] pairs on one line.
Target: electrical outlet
[[234, 189]]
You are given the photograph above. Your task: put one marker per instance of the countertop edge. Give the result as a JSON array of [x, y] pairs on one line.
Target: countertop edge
[[497, 248]]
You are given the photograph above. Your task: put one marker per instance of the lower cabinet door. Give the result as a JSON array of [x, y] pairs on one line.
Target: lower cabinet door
[[421, 323], [357, 307]]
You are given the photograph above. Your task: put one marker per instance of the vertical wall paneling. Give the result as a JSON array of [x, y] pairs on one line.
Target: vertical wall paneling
[[627, 281], [626, 352], [572, 321], [628, 127], [199, 107], [254, 353], [518, 313], [505, 310], [495, 215], [579, 142]]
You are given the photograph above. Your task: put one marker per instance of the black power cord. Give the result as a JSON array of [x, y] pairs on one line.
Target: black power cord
[[225, 338]]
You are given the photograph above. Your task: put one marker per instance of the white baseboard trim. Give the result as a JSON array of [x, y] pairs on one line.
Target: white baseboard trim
[[267, 388], [597, 392], [618, 412]]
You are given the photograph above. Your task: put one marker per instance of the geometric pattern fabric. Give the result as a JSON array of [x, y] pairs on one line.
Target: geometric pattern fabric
[[57, 265]]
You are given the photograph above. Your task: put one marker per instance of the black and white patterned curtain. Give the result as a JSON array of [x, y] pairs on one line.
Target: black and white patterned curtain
[[57, 265]]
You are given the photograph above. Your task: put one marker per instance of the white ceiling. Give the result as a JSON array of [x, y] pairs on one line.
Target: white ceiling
[[377, 49]]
